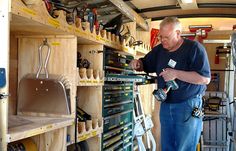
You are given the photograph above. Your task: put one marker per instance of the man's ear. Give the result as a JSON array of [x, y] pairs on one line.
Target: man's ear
[[178, 32]]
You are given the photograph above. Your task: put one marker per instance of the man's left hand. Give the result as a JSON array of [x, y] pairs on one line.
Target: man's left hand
[[169, 74]]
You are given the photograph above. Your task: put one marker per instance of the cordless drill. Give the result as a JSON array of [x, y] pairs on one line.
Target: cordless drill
[[161, 94]]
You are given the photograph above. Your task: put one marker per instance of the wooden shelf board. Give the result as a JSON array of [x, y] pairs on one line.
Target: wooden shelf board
[[90, 84], [24, 25], [21, 127], [88, 134]]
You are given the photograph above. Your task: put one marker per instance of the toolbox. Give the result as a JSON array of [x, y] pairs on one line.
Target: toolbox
[[118, 102]]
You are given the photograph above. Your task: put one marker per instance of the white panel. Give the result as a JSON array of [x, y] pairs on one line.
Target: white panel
[[140, 4]]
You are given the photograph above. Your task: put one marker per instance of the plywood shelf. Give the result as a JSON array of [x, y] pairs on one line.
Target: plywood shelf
[[21, 127], [90, 83]]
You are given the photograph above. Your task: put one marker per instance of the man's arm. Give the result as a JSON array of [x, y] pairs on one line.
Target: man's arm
[[186, 76]]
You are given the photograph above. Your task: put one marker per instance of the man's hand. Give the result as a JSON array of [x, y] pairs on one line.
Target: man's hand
[[136, 65], [169, 74]]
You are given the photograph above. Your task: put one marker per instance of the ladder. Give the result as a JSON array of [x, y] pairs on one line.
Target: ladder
[[217, 124], [142, 124]]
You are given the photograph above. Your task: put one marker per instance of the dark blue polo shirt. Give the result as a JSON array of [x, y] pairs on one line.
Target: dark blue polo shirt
[[191, 56]]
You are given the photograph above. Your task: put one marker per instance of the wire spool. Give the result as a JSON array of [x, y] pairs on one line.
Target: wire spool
[[23, 145]]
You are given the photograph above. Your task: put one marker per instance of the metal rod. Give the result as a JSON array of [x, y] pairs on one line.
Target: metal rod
[[200, 5], [222, 70], [200, 26], [213, 41]]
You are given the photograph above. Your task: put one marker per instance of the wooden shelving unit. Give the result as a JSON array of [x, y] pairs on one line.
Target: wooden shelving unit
[[29, 26], [37, 18]]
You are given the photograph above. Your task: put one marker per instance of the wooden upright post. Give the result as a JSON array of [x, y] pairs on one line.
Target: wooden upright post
[[4, 63]]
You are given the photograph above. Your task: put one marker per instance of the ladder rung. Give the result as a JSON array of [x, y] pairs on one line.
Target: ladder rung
[[214, 146]]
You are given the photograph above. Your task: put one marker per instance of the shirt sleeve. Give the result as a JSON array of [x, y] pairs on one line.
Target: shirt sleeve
[[199, 60], [150, 61]]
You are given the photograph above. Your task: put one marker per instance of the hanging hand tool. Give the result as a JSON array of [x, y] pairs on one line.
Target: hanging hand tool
[[96, 23], [91, 21], [82, 115], [114, 25]]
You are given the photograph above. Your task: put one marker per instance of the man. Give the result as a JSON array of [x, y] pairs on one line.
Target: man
[[186, 62]]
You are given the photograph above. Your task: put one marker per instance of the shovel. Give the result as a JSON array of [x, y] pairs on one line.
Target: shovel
[[44, 93]]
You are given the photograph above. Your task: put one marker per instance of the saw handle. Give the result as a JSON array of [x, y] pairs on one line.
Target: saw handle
[[45, 63]]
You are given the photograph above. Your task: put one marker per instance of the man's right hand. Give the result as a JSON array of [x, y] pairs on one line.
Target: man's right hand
[[136, 65]]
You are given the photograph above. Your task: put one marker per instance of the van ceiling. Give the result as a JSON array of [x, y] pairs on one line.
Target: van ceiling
[[158, 9], [220, 13]]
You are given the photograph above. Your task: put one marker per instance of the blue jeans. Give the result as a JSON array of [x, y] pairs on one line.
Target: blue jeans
[[180, 131]]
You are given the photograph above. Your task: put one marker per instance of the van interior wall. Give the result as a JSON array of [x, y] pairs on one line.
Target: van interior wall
[[223, 61]]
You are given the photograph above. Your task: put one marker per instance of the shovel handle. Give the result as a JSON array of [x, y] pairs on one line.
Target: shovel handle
[[45, 44]]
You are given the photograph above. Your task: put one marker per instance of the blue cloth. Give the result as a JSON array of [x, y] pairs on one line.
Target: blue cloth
[[191, 56], [179, 130]]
